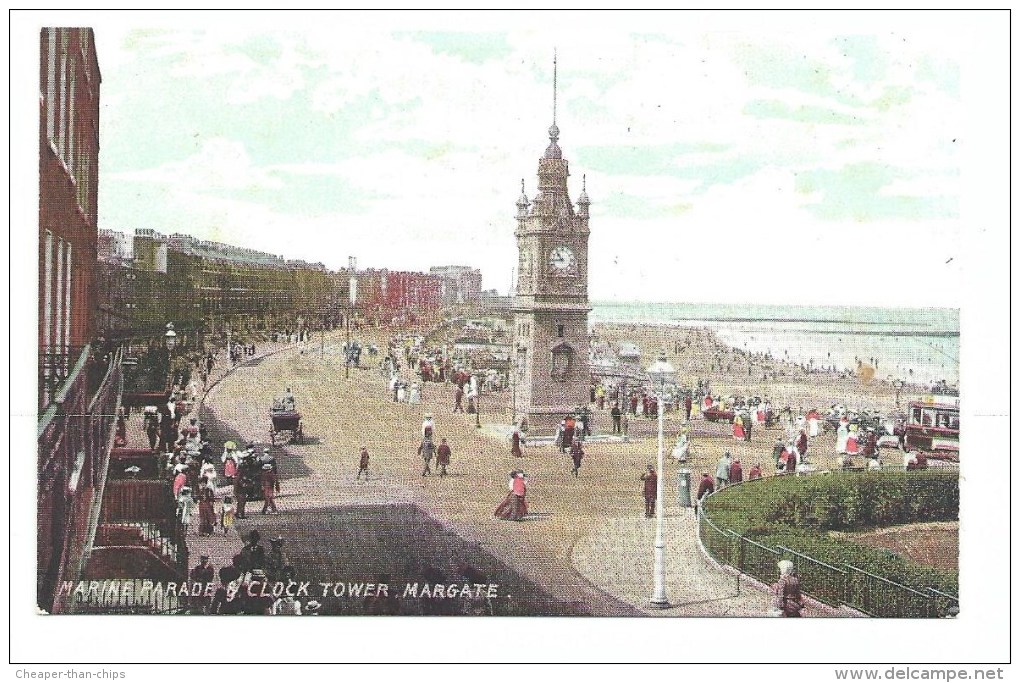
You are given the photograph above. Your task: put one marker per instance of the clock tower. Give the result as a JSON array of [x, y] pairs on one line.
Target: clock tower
[[551, 303]]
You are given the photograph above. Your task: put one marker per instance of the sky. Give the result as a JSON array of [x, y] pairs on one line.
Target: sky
[[715, 151]]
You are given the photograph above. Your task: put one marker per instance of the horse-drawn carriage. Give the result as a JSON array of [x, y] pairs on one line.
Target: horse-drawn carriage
[[286, 420]]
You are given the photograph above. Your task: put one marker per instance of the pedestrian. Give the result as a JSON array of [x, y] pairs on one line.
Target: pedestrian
[[688, 405], [207, 474], [428, 427], [738, 428], [792, 459], [152, 431], [287, 605], [426, 450], [576, 453], [202, 574], [777, 452], [802, 444], [569, 429], [206, 512], [516, 441], [722, 471], [229, 460], [253, 554], [616, 414], [443, 457], [458, 399], [363, 464], [180, 479], [651, 483], [705, 487], [227, 514], [241, 483], [787, 599], [277, 559], [747, 429], [736, 472], [755, 472], [270, 487]]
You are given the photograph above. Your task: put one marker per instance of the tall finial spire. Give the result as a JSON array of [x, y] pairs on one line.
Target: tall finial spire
[[554, 131], [554, 86]]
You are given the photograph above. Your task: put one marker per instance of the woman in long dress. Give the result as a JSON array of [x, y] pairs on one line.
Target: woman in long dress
[[514, 507], [812, 421], [738, 428], [206, 512], [515, 443], [852, 447], [682, 446], [842, 436]]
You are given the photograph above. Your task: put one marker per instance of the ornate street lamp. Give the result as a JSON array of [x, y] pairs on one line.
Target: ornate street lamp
[[478, 405], [170, 341], [352, 291], [170, 338], [661, 372]]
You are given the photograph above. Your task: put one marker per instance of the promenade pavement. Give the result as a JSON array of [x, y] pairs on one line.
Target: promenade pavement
[[585, 540]]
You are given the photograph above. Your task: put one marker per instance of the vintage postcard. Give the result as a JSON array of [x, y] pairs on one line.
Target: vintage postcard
[[341, 316]]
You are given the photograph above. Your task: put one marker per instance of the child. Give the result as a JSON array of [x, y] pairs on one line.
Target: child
[[227, 514]]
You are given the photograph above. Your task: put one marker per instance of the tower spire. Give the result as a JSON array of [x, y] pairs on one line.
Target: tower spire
[[553, 151], [554, 86]]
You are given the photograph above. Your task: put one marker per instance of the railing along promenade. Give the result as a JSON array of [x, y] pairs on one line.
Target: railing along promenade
[[847, 585]]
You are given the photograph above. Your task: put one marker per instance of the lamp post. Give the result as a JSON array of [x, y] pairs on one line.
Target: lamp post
[[352, 291], [477, 390], [170, 341], [660, 372]]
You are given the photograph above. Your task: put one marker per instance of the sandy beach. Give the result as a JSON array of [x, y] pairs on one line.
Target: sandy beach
[[698, 353]]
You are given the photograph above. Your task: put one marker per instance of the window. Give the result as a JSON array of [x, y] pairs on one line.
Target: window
[[62, 103], [51, 83], [559, 331], [58, 342], [48, 293], [67, 298], [72, 143]]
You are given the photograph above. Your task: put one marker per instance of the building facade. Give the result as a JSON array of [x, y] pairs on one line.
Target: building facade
[[79, 378], [68, 200], [459, 284], [551, 304]]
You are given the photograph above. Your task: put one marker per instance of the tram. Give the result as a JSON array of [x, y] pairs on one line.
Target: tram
[[933, 426]]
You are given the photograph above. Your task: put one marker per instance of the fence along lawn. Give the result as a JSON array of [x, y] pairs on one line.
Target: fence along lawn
[[753, 525]]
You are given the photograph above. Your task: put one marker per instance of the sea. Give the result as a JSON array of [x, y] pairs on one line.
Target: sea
[[916, 345]]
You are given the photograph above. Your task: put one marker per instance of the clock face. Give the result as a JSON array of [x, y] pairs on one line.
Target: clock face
[[562, 260]]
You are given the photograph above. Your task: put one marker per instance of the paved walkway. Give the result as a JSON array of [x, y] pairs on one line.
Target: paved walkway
[[585, 540]]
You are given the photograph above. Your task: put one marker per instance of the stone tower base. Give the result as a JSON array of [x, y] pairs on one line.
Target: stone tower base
[[543, 422]]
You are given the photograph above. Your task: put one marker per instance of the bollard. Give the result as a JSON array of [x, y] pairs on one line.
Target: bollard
[[684, 496]]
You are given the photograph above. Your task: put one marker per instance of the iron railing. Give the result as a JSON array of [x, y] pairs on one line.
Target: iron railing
[[863, 591]]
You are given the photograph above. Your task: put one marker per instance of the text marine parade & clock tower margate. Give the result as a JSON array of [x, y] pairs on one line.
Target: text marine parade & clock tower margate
[[551, 305]]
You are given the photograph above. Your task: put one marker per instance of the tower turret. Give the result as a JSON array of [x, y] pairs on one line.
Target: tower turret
[[522, 202], [583, 202]]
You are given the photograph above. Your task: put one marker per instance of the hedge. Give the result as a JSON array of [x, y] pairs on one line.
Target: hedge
[[798, 512]]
